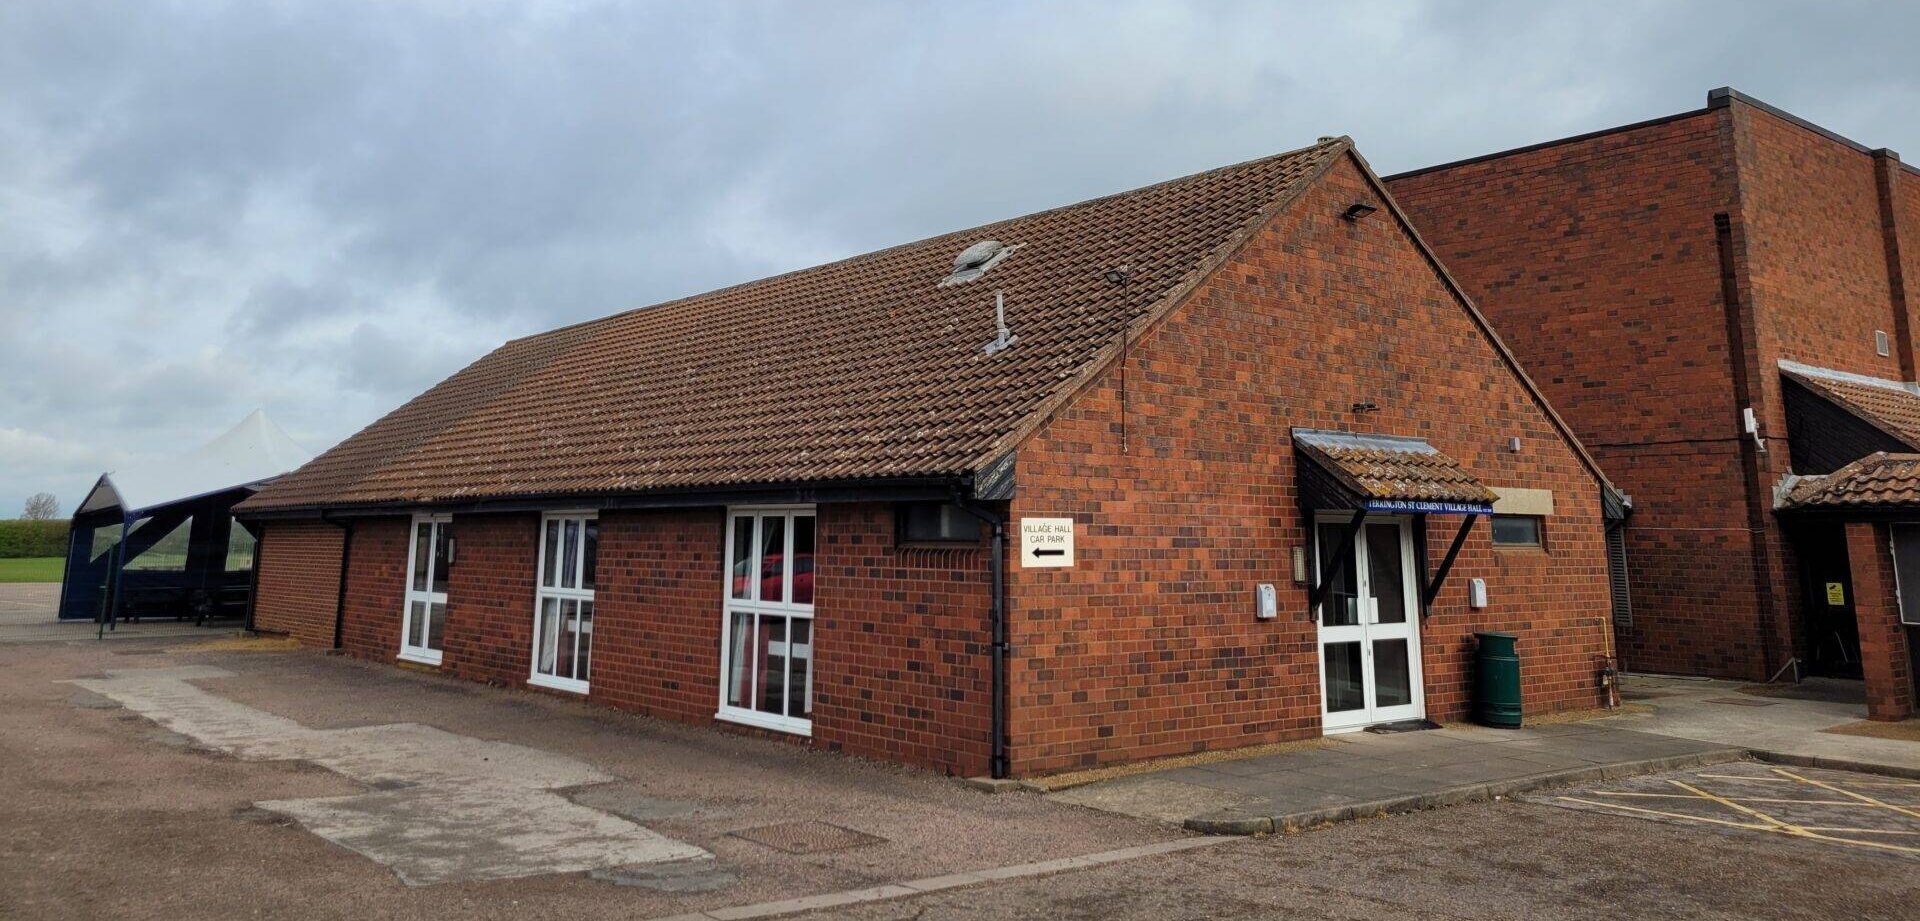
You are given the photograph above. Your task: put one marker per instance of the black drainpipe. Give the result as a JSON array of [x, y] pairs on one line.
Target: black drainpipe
[[346, 560], [253, 573], [997, 765]]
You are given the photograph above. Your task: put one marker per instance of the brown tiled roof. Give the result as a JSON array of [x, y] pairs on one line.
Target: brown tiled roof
[[1887, 406], [1391, 467], [1879, 480], [865, 369]]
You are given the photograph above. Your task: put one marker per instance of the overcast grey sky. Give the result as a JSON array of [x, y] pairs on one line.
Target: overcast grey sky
[[322, 208]]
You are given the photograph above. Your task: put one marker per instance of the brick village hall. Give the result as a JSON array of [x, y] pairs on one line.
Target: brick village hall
[[1221, 461]]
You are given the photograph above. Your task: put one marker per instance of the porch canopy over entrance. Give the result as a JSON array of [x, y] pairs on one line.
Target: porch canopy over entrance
[[152, 535], [1874, 503], [1384, 475]]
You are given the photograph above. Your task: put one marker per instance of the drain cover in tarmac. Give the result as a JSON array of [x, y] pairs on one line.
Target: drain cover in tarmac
[[806, 837]]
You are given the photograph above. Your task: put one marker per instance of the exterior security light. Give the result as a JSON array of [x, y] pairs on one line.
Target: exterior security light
[[1357, 210]]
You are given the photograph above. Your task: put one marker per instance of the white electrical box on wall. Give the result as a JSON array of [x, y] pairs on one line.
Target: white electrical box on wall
[[1267, 602], [1477, 593]]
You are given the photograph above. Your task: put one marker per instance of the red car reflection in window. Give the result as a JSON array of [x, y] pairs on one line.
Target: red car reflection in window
[[770, 578]]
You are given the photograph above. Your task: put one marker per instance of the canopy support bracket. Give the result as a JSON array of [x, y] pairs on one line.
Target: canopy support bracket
[[1341, 560], [1446, 564]]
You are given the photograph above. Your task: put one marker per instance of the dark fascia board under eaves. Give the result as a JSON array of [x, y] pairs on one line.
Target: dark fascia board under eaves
[[916, 489]]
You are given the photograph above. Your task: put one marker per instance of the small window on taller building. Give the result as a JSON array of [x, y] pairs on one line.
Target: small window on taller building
[[1517, 531], [937, 523]]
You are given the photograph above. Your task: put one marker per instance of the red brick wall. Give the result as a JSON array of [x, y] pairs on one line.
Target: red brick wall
[[1177, 465], [376, 587], [657, 613], [1883, 641], [299, 565], [899, 642], [1819, 267], [489, 633], [1819, 286], [1597, 261]]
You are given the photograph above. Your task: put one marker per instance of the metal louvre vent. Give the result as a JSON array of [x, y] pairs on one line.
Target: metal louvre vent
[[1617, 578]]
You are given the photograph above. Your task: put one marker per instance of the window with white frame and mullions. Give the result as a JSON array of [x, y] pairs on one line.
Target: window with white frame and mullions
[[767, 653], [563, 606]]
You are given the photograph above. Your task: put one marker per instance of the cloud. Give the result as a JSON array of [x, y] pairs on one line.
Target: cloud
[[322, 207]]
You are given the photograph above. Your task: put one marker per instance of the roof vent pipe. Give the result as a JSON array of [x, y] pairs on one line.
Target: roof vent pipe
[[1002, 336]]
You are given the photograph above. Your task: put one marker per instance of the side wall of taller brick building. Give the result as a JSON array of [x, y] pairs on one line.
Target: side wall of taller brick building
[[1177, 464], [1601, 260], [1821, 287], [1597, 259]]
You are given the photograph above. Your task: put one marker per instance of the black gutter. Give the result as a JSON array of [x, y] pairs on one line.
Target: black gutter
[[346, 561], [915, 489], [1740, 345], [253, 575], [998, 764]]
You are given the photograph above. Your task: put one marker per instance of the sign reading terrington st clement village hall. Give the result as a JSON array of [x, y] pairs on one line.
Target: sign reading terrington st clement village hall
[[1046, 542]]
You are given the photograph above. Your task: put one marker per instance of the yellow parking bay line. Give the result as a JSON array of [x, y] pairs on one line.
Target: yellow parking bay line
[[1762, 779], [1751, 826], [1849, 793], [1762, 821], [1745, 799]]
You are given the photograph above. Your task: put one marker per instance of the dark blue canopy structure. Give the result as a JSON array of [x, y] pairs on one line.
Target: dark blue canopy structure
[[161, 540]]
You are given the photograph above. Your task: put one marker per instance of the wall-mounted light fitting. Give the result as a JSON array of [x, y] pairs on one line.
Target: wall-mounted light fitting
[[1299, 565], [1365, 406], [1513, 444], [1357, 210]]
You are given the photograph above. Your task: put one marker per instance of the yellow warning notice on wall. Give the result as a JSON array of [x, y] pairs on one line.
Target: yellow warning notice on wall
[[1836, 594]]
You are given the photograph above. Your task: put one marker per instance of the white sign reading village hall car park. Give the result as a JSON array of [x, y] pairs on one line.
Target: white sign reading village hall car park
[[1046, 542]]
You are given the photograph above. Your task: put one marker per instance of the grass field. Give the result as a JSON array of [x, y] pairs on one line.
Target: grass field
[[32, 569]]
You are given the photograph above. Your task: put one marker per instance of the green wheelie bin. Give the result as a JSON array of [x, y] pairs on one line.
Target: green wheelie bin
[[1496, 681]]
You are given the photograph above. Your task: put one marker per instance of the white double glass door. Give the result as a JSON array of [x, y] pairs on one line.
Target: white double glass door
[[1369, 625]]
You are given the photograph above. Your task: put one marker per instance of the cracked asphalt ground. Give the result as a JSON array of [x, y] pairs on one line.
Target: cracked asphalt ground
[[106, 814]]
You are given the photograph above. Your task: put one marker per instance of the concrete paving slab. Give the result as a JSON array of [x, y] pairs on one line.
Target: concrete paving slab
[[1368, 774], [1795, 728], [444, 806], [1155, 798]]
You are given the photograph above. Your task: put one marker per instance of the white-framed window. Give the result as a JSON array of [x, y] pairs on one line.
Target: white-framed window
[[766, 650], [429, 564], [563, 600]]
